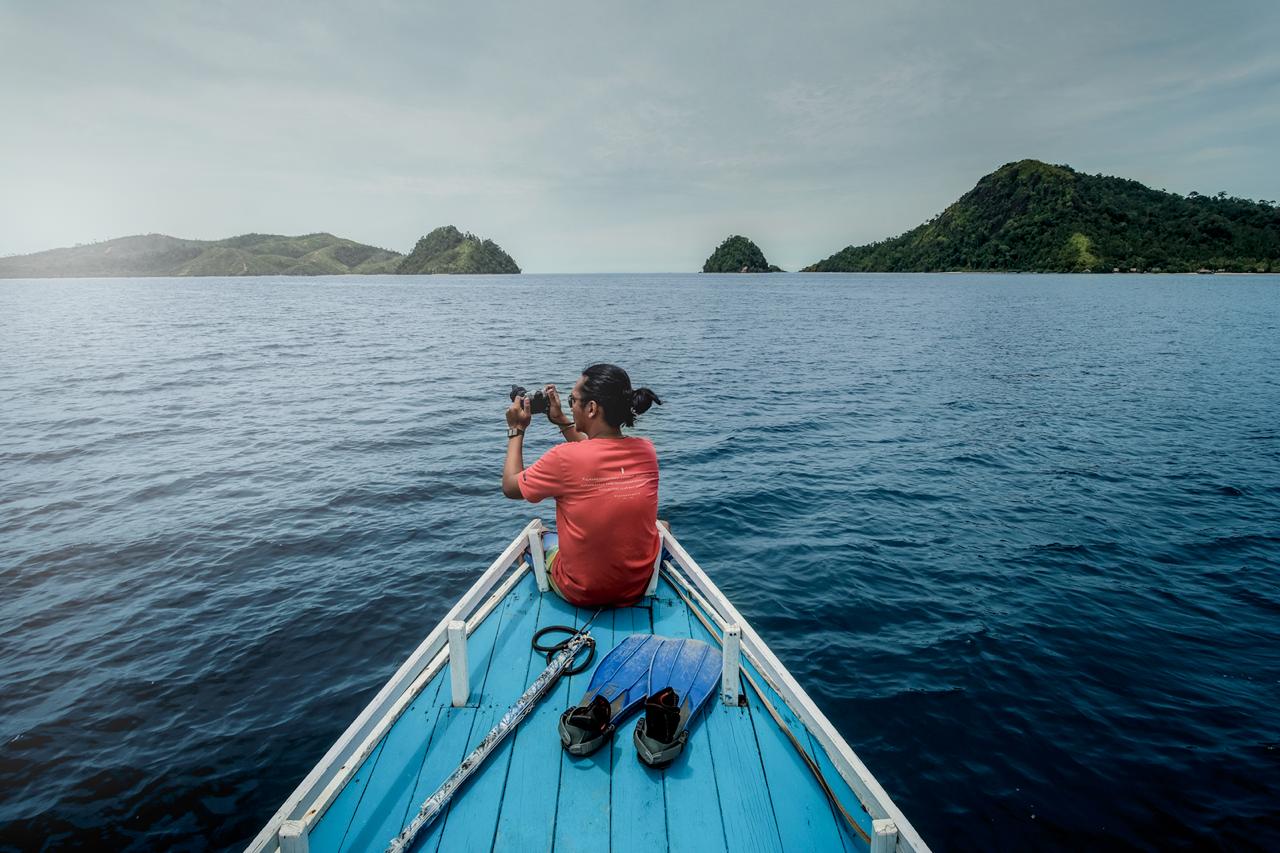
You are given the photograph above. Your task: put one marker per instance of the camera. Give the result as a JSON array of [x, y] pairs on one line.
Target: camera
[[537, 400]]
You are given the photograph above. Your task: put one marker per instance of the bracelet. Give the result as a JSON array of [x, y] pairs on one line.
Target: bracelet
[[565, 424]]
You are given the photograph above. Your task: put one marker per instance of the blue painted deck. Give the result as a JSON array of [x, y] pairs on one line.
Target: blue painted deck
[[739, 785]]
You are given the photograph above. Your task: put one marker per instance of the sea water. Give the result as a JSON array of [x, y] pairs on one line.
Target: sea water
[[1018, 536]]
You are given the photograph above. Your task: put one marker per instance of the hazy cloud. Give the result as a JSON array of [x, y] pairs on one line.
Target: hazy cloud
[[607, 136]]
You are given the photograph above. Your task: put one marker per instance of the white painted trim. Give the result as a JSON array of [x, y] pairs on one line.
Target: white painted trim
[[323, 784], [731, 646], [657, 568], [884, 836], [539, 559], [851, 769], [673, 572], [457, 632], [339, 781], [293, 837], [314, 794]]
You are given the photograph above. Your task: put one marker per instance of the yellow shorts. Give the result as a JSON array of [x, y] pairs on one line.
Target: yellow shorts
[[551, 561]]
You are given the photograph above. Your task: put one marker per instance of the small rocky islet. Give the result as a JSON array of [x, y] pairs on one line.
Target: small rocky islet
[[740, 255], [1030, 216]]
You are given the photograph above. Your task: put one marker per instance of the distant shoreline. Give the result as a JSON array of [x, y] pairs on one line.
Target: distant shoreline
[[445, 250], [403, 277]]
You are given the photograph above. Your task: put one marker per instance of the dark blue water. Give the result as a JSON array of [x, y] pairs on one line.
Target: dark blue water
[[1018, 536]]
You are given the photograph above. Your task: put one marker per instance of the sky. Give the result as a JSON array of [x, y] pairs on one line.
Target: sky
[[608, 136]]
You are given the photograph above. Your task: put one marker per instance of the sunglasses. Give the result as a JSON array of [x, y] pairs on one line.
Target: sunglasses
[[573, 400]]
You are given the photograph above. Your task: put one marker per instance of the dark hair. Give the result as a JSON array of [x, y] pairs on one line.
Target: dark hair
[[610, 386]]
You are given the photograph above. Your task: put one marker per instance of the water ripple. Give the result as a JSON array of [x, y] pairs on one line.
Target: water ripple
[[1016, 535]]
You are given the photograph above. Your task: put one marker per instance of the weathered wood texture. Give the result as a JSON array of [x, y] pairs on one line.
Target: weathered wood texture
[[739, 785]]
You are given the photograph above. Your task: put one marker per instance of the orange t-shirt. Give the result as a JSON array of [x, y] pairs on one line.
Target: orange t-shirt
[[606, 492]]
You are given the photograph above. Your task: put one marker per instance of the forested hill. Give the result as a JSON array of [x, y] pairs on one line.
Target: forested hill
[[444, 250], [1036, 217], [248, 254], [448, 251]]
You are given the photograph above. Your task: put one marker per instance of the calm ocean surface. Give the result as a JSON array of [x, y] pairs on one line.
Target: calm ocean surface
[[1019, 536]]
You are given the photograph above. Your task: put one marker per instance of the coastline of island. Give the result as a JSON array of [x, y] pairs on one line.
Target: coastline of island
[[443, 251], [1025, 217]]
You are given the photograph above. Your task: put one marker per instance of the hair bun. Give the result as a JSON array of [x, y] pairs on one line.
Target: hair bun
[[642, 399], [610, 386]]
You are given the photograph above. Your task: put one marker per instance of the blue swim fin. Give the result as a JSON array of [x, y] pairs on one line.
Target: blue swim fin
[[683, 676], [617, 688]]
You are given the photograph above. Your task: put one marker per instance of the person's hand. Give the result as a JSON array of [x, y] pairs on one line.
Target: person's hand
[[518, 413], [555, 414]]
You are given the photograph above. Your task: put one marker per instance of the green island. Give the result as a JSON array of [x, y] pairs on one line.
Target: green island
[[448, 251], [738, 254], [1026, 216], [1030, 216], [444, 250]]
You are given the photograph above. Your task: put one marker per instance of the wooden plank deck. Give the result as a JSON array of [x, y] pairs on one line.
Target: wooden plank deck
[[738, 786]]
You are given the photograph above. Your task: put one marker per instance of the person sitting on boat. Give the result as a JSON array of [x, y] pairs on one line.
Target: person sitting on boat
[[605, 485]]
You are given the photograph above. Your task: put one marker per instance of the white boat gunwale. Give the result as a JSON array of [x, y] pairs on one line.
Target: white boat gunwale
[[855, 774], [306, 805]]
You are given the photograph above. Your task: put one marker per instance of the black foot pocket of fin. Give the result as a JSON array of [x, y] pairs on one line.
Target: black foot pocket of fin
[[660, 733], [584, 729]]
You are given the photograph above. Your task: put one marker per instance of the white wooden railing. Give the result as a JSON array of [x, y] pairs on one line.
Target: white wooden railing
[[891, 829], [288, 829]]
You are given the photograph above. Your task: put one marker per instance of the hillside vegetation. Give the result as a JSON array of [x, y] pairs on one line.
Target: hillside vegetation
[[1031, 216], [738, 254], [448, 251], [248, 254]]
